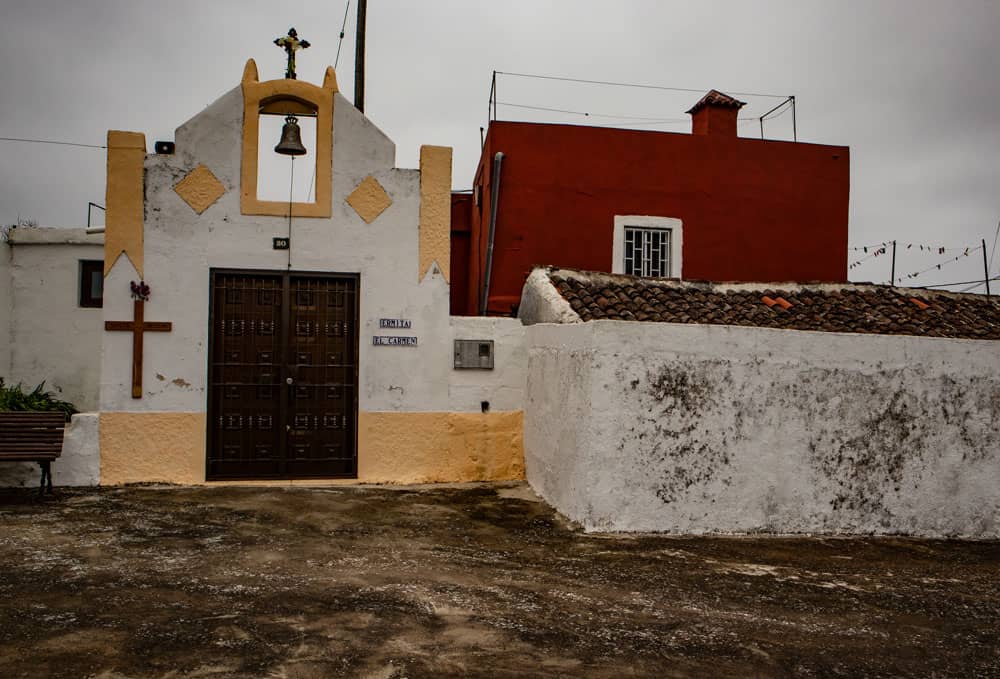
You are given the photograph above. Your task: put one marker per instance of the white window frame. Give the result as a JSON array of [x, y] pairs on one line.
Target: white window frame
[[672, 224]]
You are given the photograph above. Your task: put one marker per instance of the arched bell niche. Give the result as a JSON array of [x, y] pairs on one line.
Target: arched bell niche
[[281, 98]]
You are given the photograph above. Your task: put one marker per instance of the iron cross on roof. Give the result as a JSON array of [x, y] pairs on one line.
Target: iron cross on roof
[[291, 44]]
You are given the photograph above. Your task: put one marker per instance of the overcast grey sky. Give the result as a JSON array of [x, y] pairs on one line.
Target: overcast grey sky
[[910, 85]]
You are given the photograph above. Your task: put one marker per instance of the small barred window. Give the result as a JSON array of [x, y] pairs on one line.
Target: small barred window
[[647, 252]]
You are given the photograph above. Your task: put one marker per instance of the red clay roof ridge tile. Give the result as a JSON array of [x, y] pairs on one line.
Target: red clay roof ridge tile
[[717, 98], [826, 307]]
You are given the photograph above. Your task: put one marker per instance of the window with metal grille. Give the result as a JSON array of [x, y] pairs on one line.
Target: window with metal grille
[[647, 252]]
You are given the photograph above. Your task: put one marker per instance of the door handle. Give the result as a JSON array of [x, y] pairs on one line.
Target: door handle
[[289, 380]]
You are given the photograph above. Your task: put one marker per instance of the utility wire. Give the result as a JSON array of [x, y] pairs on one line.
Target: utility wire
[[336, 60], [907, 246], [648, 120], [620, 84], [879, 250], [49, 141], [777, 115], [939, 264], [595, 115], [945, 285], [341, 41]]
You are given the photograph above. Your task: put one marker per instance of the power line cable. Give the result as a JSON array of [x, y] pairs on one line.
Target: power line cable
[[341, 41], [940, 249], [336, 60], [967, 252], [646, 120], [879, 250], [945, 285], [587, 113], [49, 141], [777, 115], [620, 84]]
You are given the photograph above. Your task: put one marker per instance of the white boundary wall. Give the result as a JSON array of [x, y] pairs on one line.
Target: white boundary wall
[[695, 429], [51, 337], [78, 465]]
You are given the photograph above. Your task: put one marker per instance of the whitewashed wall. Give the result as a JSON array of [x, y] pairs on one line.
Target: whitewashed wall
[[51, 337], [6, 308], [502, 387], [689, 428], [182, 246], [78, 465]]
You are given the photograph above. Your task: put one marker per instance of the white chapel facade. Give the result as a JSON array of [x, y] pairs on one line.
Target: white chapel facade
[[311, 347]]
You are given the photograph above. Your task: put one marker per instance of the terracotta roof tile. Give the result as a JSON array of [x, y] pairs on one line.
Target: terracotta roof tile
[[846, 307], [716, 98]]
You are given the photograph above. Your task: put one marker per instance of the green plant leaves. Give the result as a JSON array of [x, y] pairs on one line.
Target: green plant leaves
[[13, 398]]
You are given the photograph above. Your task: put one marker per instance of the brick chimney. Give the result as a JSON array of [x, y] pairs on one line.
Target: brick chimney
[[715, 114]]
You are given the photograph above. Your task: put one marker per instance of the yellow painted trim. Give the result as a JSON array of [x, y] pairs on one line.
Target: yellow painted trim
[[435, 210], [144, 447], [199, 188], [369, 199], [330, 80], [123, 199], [393, 447], [257, 94]]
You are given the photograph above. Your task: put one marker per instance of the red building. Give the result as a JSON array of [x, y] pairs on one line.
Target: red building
[[702, 206]]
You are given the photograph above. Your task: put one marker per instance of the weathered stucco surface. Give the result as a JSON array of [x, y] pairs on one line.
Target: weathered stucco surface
[[435, 209], [423, 447], [78, 465], [181, 247], [369, 200], [152, 447], [199, 189], [694, 429], [6, 306], [542, 303], [123, 198], [406, 391], [51, 337], [503, 387], [433, 447]]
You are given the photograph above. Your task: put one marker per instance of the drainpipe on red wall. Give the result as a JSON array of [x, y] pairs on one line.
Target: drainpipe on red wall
[[494, 199]]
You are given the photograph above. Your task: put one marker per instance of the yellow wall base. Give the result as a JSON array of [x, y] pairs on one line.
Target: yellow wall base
[[159, 447], [152, 447], [440, 447]]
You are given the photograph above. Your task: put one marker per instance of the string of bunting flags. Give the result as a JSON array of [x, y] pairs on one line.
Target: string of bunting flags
[[940, 249], [965, 253], [876, 250], [880, 249]]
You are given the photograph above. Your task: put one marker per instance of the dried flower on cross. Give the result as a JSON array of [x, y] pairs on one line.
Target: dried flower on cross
[[140, 290]]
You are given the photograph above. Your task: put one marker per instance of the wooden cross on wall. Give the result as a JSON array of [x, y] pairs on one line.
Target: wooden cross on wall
[[137, 327]]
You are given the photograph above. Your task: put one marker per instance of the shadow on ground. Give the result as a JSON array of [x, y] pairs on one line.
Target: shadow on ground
[[462, 581]]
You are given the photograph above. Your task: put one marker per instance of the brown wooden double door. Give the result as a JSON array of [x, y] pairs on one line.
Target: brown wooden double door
[[283, 376]]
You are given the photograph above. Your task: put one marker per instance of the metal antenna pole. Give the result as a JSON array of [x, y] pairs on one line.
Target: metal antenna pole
[[986, 270], [359, 57], [493, 98], [795, 134], [892, 278]]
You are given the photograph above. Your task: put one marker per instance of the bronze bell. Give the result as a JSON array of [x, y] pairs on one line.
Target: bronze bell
[[291, 138]]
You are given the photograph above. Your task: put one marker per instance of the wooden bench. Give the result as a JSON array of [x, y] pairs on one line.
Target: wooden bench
[[32, 437]]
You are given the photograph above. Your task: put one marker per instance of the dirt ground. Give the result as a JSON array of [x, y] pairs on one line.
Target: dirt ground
[[480, 580]]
